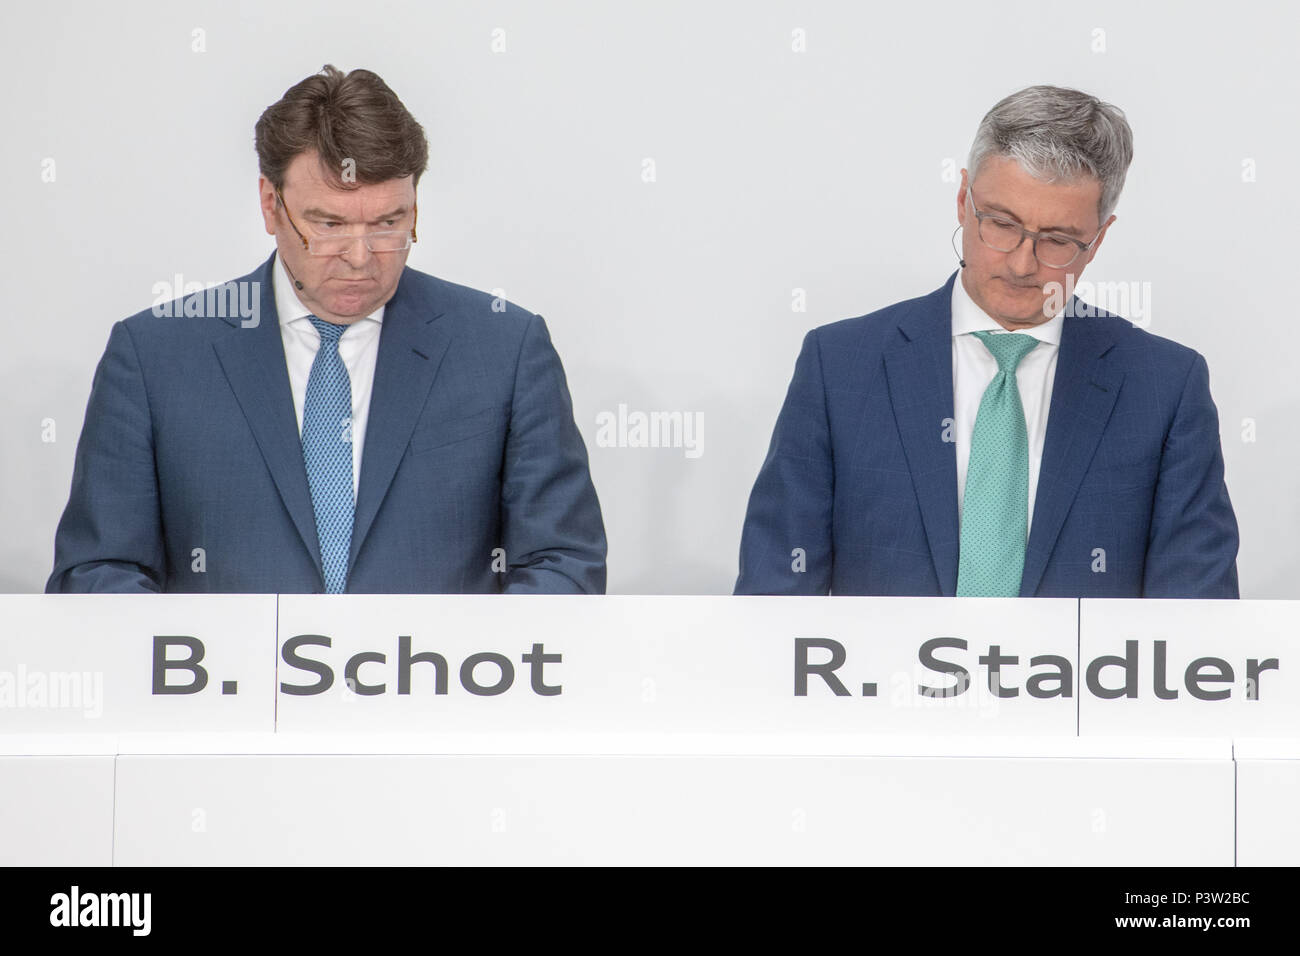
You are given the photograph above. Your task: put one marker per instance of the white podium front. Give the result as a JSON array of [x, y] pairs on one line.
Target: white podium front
[[646, 730]]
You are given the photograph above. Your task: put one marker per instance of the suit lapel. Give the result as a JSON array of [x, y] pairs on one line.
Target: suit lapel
[[412, 344], [1083, 395], [919, 373], [254, 363]]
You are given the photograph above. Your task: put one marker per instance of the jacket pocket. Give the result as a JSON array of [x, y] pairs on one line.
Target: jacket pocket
[[439, 434]]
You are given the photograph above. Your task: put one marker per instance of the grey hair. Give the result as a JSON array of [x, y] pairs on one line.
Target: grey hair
[[1059, 134]]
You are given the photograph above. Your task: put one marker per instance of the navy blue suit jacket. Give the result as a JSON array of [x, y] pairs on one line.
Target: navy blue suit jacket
[[860, 477], [191, 442]]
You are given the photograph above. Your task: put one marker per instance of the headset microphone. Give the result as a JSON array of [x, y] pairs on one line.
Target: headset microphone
[[960, 260], [299, 284]]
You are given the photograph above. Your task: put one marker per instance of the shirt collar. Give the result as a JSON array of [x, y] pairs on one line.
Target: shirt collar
[[968, 317], [290, 307]]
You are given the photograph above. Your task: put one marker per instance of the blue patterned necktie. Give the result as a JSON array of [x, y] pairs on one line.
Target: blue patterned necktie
[[327, 452], [995, 507]]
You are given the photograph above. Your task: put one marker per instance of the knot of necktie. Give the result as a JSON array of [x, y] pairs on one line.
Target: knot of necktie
[[1007, 349], [329, 332]]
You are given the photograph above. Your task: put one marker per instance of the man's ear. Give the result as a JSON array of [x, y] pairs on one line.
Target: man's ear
[[1100, 236], [961, 199], [266, 198]]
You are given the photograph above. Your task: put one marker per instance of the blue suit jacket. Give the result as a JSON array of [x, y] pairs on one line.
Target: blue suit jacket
[[860, 477], [191, 441]]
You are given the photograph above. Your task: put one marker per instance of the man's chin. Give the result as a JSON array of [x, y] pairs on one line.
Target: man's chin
[[1016, 312], [1019, 317], [351, 306]]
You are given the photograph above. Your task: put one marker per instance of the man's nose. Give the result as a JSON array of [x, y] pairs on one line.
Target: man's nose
[[358, 253], [1021, 259]]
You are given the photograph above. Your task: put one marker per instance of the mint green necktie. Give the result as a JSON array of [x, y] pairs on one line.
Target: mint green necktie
[[995, 507]]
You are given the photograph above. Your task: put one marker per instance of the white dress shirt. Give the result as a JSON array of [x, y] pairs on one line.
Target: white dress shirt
[[358, 348], [973, 368]]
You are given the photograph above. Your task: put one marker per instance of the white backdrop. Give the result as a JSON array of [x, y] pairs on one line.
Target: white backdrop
[[783, 137]]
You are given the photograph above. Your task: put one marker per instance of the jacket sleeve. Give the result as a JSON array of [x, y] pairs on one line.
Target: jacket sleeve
[[1192, 546], [110, 536], [785, 547], [552, 531]]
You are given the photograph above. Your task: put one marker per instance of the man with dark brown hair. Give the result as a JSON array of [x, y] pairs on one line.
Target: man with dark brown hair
[[333, 421]]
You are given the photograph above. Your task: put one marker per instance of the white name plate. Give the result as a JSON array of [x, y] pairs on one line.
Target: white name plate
[[629, 664], [701, 664], [1194, 668], [86, 663]]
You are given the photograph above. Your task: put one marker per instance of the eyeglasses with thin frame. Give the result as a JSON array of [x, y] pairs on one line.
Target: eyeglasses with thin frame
[[1053, 249], [387, 241]]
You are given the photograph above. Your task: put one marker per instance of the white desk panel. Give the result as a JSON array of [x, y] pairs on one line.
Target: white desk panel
[[1268, 802], [56, 810], [986, 806]]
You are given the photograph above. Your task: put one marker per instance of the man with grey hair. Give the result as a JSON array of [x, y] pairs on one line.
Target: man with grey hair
[[998, 437]]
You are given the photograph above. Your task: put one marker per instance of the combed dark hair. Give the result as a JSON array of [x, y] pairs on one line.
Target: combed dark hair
[[342, 117]]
